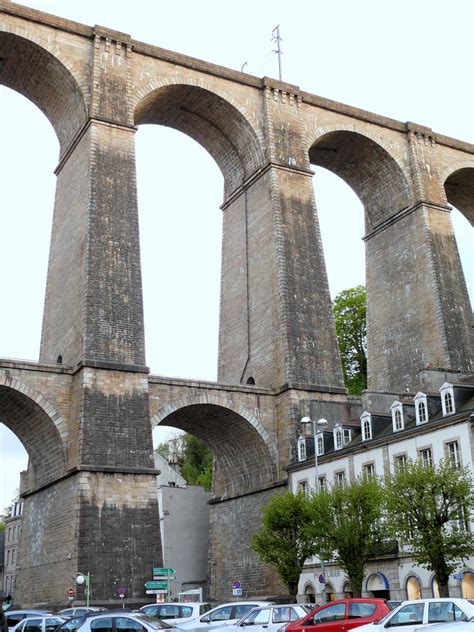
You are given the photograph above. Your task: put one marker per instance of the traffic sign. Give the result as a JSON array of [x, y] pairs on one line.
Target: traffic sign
[[321, 579], [71, 592], [236, 583], [164, 571], [237, 592], [159, 584], [156, 592]]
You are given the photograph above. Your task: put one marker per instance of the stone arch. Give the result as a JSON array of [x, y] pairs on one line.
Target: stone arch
[[367, 165], [458, 182], [212, 118], [39, 427], [245, 455], [28, 67]]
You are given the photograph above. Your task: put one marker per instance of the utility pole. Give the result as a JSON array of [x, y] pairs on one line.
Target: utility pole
[[276, 38]]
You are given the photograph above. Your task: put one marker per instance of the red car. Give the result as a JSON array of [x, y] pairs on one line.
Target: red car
[[341, 615]]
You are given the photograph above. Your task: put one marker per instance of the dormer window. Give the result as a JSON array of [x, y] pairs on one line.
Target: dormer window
[[421, 408], [447, 399], [342, 436], [397, 416], [302, 449], [319, 445], [366, 426]]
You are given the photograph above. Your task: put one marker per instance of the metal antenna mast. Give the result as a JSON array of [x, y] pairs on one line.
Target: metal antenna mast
[[276, 38]]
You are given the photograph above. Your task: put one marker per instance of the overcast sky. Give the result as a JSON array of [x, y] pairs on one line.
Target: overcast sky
[[408, 60]]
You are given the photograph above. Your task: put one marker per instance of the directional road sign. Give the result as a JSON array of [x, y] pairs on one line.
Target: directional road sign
[[156, 584], [156, 592], [164, 571]]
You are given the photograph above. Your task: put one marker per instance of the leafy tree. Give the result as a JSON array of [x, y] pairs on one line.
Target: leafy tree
[[428, 508], [351, 329], [192, 456], [286, 539], [349, 525]]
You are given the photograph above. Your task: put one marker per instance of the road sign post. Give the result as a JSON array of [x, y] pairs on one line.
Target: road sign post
[[161, 575]]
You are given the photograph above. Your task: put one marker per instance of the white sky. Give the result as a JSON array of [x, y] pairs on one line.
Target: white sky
[[409, 60]]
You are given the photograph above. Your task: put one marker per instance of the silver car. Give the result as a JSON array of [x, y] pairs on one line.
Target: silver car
[[116, 621], [223, 615], [45, 623], [268, 618]]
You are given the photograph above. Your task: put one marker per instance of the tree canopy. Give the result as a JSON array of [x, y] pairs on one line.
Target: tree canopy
[[349, 310], [286, 539], [349, 525], [429, 508], [192, 456]]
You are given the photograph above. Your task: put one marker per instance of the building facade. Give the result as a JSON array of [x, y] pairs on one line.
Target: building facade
[[428, 426], [12, 547]]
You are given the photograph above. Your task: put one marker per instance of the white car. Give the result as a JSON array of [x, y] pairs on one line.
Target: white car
[[268, 618], [456, 626], [411, 615], [46, 623], [225, 614], [176, 612], [116, 621]]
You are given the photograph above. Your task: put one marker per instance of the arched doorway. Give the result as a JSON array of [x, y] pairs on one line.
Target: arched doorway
[[413, 588], [377, 585], [309, 593], [467, 585], [330, 596], [347, 590]]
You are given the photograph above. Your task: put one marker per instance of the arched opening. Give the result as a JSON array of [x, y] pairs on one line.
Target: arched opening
[[378, 587], [467, 585], [413, 588], [368, 169], [309, 593], [459, 188], [329, 588], [38, 433], [243, 452], [347, 590], [183, 258]]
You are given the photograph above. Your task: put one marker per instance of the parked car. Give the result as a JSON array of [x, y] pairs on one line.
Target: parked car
[[341, 615], [14, 617], [115, 621], [454, 626], [79, 611], [45, 623], [225, 614], [178, 612], [268, 618], [410, 615]]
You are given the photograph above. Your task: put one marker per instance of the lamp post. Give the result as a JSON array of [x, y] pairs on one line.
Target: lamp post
[[84, 579], [321, 423]]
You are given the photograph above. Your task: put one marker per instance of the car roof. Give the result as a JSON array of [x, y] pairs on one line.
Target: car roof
[[22, 611]]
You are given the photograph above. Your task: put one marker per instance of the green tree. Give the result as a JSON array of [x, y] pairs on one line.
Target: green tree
[[349, 525], [428, 508], [286, 539], [351, 330], [192, 456]]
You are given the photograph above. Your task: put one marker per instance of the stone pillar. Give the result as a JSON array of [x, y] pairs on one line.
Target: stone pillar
[[276, 318], [418, 308], [93, 323]]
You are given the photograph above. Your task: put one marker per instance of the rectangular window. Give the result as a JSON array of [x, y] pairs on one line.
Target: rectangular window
[[399, 462], [369, 470], [340, 478], [347, 436], [426, 456], [453, 454], [322, 483], [303, 487]]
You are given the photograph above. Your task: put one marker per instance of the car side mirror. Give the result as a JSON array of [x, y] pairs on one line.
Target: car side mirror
[[205, 619]]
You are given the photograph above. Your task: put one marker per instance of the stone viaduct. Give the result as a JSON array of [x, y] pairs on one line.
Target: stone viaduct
[[85, 411]]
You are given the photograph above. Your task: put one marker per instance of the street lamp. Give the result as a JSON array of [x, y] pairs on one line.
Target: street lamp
[[319, 423], [85, 579]]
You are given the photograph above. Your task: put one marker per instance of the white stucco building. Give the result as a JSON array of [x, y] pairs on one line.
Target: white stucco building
[[429, 426]]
